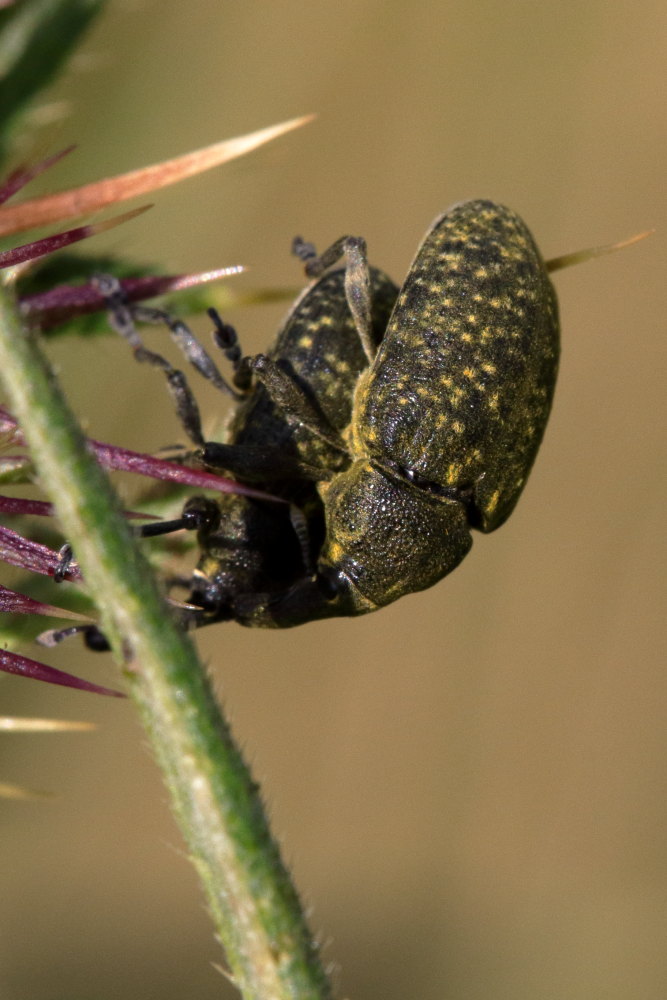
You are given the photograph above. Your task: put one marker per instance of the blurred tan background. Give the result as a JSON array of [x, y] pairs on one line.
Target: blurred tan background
[[469, 785]]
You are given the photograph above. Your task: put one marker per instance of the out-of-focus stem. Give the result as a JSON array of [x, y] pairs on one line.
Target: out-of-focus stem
[[254, 905]]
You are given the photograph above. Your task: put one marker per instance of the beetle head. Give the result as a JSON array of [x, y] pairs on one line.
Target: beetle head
[[385, 538]]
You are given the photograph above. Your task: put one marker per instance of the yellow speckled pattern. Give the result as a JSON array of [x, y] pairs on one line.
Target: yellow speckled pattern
[[318, 345], [441, 429], [462, 385]]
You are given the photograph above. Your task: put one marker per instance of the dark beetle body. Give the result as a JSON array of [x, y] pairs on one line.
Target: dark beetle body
[[389, 424], [249, 547], [318, 347], [445, 423]]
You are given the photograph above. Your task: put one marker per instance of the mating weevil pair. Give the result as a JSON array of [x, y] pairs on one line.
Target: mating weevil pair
[[392, 422]]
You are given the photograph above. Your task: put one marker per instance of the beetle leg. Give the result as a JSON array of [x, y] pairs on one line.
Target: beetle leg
[[357, 279], [300, 525], [121, 317], [259, 464], [93, 637], [65, 560], [186, 341], [296, 406]]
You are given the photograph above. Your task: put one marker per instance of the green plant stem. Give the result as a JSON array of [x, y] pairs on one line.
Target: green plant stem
[[254, 905]]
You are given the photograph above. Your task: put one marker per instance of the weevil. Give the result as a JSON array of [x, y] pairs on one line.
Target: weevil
[[393, 435], [284, 440], [446, 420]]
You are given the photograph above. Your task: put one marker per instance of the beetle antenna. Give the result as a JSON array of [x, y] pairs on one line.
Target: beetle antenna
[[226, 338]]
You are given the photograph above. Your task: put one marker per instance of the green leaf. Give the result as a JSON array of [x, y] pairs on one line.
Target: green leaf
[[36, 39]]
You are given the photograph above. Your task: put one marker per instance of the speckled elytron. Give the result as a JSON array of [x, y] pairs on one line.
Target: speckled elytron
[[446, 422]]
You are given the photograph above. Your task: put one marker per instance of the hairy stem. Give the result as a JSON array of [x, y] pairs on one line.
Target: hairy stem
[[254, 905]]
